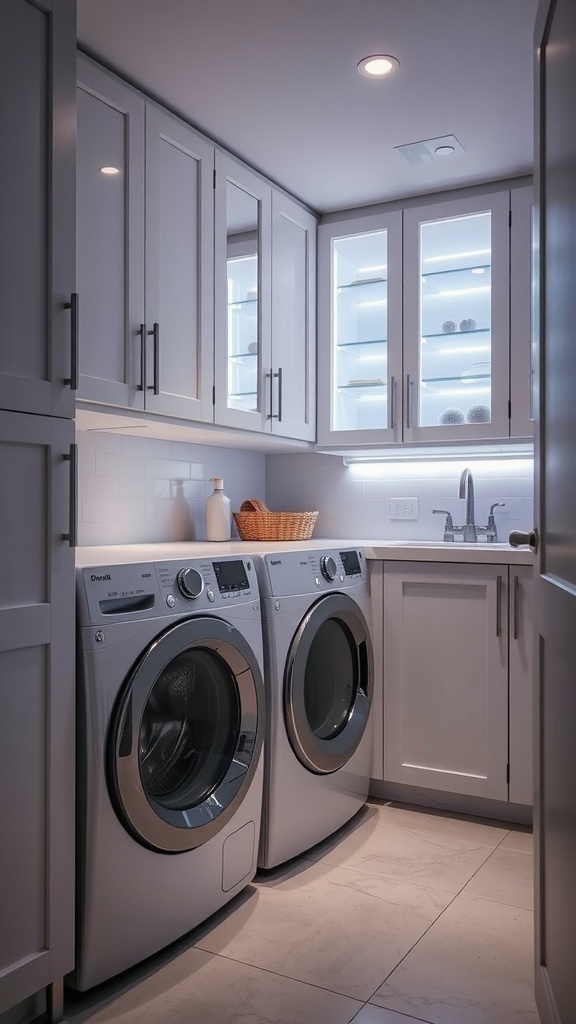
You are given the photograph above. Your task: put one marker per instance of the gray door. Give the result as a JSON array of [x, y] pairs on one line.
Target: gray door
[[555, 580], [328, 684]]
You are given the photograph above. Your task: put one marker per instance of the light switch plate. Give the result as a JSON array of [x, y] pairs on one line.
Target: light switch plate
[[403, 508]]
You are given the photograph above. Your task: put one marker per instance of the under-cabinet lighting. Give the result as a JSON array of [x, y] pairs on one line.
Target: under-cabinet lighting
[[420, 462], [372, 359], [372, 270], [461, 350], [450, 392], [110, 170], [478, 270]]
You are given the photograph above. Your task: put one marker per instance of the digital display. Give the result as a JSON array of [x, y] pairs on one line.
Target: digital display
[[351, 562], [231, 576]]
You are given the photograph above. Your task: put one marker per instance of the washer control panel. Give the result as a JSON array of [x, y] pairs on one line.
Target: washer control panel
[[145, 589], [287, 573]]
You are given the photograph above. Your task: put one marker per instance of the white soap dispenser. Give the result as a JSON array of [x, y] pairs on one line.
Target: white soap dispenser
[[218, 522]]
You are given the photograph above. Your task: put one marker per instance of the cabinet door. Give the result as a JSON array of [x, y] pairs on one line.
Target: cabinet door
[[37, 191], [456, 319], [360, 330], [521, 685], [293, 319], [110, 238], [446, 677], [37, 688], [179, 268], [521, 358], [242, 310]]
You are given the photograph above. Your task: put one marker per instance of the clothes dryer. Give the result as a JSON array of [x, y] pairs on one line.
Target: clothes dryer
[[319, 677], [170, 728]]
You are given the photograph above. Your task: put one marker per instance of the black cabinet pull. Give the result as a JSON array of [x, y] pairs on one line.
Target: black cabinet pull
[[155, 387], [72, 535], [74, 307]]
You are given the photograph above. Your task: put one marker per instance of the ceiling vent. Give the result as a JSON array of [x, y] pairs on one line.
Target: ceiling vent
[[431, 149]]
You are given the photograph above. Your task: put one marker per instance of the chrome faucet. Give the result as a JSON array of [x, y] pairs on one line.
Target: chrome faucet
[[467, 491]]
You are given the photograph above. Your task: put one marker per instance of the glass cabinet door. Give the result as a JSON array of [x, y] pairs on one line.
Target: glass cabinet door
[[362, 332], [242, 299], [456, 320]]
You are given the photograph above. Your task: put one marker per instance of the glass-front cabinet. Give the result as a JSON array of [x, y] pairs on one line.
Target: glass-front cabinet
[[264, 310], [416, 337], [360, 331], [456, 319]]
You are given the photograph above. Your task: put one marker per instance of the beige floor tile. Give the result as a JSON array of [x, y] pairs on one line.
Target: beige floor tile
[[473, 966], [441, 823], [507, 877], [198, 988], [370, 1014], [329, 926], [445, 862], [521, 841]]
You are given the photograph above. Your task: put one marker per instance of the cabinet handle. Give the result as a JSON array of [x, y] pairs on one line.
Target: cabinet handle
[[409, 387], [392, 423], [72, 535], [516, 608], [278, 415], [498, 606], [270, 376], [142, 334], [155, 387], [74, 307]]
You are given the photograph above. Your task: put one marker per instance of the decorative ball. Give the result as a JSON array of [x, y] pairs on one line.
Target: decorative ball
[[468, 324], [451, 416], [449, 326], [478, 414], [253, 346]]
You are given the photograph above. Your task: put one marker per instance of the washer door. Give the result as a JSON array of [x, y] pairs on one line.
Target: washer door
[[186, 735], [328, 684]]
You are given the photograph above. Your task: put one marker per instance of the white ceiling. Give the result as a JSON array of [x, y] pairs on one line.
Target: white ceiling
[[275, 82]]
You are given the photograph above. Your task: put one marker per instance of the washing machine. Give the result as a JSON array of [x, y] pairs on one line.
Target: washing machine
[[170, 769], [319, 677]]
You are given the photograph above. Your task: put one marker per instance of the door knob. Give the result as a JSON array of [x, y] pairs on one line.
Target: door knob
[[518, 537]]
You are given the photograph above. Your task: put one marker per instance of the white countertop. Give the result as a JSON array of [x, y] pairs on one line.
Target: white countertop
[[429, 551]]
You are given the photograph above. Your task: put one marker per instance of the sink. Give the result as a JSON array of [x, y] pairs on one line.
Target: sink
[[443, 544]]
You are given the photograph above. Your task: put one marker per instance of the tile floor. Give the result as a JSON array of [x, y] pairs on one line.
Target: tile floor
[[403, 916]]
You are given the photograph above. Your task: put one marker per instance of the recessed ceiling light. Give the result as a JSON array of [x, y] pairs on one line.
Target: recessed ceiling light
[[109, 170], [444, 150], [378, 65]]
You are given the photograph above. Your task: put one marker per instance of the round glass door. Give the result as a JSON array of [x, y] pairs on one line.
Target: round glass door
[[328, 684], [186, 735]]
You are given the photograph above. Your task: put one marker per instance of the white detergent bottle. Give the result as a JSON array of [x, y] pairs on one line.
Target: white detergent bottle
[[218, 512]]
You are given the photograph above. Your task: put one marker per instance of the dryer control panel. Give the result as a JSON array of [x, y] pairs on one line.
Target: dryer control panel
[[143, 589], [287, 573]]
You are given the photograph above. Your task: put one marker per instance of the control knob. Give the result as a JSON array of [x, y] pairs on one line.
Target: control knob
[[328, 567], [190, 583]]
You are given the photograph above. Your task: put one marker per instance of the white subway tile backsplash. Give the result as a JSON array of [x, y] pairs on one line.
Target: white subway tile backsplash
[[117, 464], [112, 510], [91, 486]]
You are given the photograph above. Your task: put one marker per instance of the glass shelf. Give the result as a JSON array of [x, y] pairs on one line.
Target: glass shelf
[[465, 379], [451, 335], [363, 284], [362, 384], [243, 355], [354, 344], [477, 268]]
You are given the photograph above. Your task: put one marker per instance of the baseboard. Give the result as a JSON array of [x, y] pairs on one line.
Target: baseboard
[[500, 810]]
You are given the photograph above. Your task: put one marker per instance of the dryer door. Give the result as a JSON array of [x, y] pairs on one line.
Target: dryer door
[[328, 684], [186, 735]]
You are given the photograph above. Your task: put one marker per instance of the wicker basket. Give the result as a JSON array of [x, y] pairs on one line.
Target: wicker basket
[[256, 522]]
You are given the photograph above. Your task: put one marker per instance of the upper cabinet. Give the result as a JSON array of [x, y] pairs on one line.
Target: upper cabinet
[[144, 242], [265, 249], [439, 368], [196, 276], [37, 162]]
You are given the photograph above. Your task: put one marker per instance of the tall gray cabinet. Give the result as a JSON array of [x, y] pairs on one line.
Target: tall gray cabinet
[[37, 459]]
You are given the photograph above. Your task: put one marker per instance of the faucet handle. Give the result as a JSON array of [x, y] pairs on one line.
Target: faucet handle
[[497, 504], [448, 525]]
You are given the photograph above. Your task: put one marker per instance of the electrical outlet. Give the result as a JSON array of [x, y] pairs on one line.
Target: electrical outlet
[[403, 508]]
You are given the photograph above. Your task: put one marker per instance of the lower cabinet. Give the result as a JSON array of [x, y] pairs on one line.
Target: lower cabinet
[[37, 686], [456, 662]]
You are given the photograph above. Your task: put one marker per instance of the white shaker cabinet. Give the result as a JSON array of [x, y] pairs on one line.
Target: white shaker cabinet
[[265, 306], [37, 206], [144, 241], [456, 656], [37, 705], [521, 685], [424, 323], [445, 666]]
